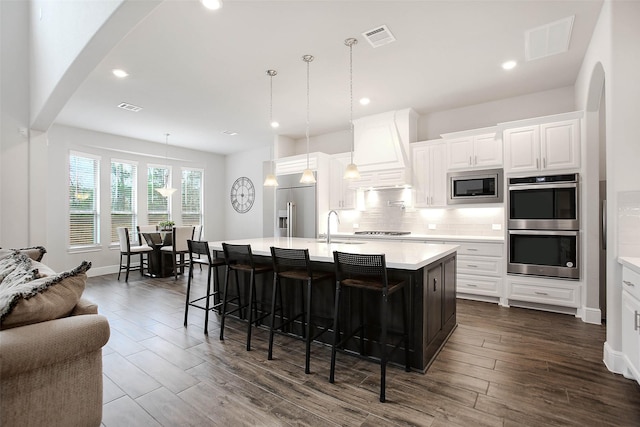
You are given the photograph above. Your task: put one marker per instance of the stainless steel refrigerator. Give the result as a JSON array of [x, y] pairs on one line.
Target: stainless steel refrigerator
[[296, 214]]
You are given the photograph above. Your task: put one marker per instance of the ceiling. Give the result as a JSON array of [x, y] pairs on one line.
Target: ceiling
[[197, 73]]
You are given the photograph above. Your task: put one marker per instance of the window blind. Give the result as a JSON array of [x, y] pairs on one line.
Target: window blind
[[157, 204], [192, 196], [83, 200], [123, 198]]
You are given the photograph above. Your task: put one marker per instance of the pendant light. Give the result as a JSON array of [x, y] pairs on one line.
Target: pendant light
[[270, 180], [307, 174], [166, 191], [351, 172]]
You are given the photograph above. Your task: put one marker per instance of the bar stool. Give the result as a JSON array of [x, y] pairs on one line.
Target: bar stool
[[294, 264], [368, 273], [239, 258], [200, 254], [178, 248]]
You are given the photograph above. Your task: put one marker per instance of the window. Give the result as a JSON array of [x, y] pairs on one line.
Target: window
[[83, 200], [191, 197], [158, 205], [123, 198]]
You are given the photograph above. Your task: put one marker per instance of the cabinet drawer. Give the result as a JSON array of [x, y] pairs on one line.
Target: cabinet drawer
[[479, 265], [553, 294], [479, 285], [479, 248], [631, 282]]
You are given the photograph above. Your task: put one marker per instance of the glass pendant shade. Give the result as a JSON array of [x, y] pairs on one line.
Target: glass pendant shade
[[270, 181], [307, 177], [351, 172], [166, 191]]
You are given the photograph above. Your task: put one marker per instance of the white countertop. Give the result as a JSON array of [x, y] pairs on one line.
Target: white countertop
[[630, 262], [400, 255], [423, 237]]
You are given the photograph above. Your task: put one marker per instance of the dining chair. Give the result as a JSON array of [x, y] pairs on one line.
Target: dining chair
[[368, 273], [179, 248], [145, 229], [126, 250]]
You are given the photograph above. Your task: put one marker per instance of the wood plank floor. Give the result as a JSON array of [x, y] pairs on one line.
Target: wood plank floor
[[501, 367]]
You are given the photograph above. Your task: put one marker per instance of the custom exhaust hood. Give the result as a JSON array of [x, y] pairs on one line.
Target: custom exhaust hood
[[381, 148]]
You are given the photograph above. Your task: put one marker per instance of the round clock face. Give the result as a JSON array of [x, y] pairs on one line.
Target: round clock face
[[243, 194]]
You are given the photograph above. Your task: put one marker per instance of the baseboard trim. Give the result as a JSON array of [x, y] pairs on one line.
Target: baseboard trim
[[614, 360], [592, 315], [101, 271]]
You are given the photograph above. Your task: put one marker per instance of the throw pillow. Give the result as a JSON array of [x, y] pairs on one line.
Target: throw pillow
[[36, 253], [43, 299], [10, 263]]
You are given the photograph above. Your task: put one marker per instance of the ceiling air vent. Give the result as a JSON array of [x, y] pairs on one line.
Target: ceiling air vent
[[379, 36], [549, 39], [129, 107]]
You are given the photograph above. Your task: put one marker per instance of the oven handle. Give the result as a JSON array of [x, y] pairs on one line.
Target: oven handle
[[545, 232], [542, 186]]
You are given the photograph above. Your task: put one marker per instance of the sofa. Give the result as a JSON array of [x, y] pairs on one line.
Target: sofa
[[51, 343]]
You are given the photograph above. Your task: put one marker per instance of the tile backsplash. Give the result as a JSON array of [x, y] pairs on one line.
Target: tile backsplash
[[629, 224], [391, 210]]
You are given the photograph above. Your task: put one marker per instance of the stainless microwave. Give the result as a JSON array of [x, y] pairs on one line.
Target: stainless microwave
[[477, 186]]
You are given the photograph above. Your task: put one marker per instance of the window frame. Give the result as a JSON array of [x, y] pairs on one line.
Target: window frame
[[183, 194], [154, 191], [96, 199], [134, 201]]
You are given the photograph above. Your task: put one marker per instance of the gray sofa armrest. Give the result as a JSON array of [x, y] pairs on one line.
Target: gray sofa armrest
[[85, 306]]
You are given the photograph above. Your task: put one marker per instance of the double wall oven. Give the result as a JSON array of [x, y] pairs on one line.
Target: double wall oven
[[544, 226]]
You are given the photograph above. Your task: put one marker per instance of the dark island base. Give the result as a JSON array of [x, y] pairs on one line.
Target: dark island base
[[431, 297]]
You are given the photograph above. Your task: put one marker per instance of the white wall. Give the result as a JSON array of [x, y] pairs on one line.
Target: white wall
[[249, 164], [330, 143], [614, 45], [14, 115], [62, 139], [432, 125]]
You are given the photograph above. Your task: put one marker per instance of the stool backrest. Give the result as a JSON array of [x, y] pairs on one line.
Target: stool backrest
[[123, 239], [198, 248], [238, 254], [359, 265], [286, 259]]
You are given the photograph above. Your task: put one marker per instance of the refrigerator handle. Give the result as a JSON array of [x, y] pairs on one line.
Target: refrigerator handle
[[291, 218], [604, 225]]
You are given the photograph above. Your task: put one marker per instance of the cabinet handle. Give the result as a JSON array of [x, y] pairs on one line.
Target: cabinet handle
[[435, 283], [628, 283], [470, 161], [472, 265], [471, 285], [475, 162], [472, 249], [541, 293], [544, 163], [537, 163], [635, 320]]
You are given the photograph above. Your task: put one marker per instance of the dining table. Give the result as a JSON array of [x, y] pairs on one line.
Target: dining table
[[160, 264]]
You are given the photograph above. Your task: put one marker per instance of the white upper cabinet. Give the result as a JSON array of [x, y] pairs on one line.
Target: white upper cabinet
[[341, 196], [547, 146], [429, 174], [473, 151]]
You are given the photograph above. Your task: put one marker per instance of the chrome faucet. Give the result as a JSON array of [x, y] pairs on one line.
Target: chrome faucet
[[329, 224]]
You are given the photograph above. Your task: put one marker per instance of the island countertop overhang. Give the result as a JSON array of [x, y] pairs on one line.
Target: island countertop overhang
[[398, 255]]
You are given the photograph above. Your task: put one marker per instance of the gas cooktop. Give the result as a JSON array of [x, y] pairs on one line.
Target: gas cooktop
[[383, 233]]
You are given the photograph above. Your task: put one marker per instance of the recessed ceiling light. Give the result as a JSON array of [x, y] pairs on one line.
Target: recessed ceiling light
[[509, 65], [229, 132], [212, 4], [364, 101], [275, 124], [119, 73]]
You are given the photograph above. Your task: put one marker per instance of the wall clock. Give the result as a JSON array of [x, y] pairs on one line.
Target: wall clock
[[243, 194]]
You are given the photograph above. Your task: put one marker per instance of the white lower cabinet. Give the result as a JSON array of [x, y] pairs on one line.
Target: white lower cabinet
[[631, 323], [480, 270], [542, 291]]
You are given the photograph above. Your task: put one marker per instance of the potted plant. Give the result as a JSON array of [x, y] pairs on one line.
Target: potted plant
[[166, 225]]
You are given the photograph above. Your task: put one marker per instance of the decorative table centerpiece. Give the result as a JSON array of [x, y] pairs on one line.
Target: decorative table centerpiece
[[166, 225]]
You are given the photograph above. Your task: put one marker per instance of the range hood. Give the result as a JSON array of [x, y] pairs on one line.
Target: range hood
[[381, 148]]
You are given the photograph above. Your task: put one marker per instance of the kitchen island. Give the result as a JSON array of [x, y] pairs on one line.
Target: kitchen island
[[428, 269]]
